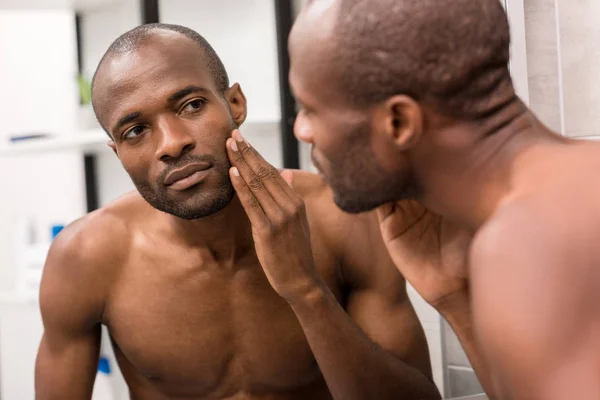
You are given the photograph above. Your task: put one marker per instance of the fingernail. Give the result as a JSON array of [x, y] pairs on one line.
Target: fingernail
[[238, 136], [233, 145], [235, 171]]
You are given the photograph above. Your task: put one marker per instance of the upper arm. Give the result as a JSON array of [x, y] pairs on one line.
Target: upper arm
[[377, 300], [531, 310], [71, 307], [375, 292]]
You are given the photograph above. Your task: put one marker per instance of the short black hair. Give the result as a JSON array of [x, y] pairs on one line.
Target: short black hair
[[131, 40], [453, 54]]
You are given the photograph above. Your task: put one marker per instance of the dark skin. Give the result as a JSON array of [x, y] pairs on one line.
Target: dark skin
[[522, 295], [225, 306]]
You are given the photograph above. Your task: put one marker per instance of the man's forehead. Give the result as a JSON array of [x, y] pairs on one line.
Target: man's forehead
[[154, 69], [152, 55]]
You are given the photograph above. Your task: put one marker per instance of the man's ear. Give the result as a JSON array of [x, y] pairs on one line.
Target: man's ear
[[113, 146], [237, 103], [401, 118]]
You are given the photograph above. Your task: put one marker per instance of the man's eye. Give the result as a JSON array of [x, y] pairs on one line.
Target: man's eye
[[133, 132], [193, 106]]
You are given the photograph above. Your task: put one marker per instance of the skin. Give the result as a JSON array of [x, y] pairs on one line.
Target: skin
[[302, 302], [523, 294]]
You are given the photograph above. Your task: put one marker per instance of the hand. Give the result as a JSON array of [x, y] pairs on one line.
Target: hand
[[278, 217], [428, 250]]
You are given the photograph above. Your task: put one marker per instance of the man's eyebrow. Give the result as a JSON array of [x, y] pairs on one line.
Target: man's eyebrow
[[127, 119], [180, 94]]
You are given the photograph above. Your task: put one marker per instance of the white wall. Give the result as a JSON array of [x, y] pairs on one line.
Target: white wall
[[39, 94], [20, 332], [37, 71], [243, 34], [37, 77], [101, 25]]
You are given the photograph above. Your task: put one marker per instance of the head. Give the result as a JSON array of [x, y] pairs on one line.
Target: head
[[378, 79], [163, 96]]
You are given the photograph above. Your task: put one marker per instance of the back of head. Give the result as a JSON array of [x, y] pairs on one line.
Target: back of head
[[452, 55]]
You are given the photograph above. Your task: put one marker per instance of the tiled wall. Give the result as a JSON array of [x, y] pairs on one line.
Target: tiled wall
[[459, 377], [543, 61], [563, 56], [430, 320], [579, 36]]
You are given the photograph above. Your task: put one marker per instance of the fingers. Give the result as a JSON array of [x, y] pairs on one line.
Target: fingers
[[253, 183], [269, 174], [384, 211], [250, 203], [271, 189]]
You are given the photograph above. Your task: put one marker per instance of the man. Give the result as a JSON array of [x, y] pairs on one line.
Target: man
[[414, 100], [204, 301]]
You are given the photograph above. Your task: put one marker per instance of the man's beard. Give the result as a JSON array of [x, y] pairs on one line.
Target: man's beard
[[202, 203], [359, 182]]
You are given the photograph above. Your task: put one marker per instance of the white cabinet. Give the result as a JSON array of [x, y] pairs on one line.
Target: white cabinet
[[20, 334], [21, 330]]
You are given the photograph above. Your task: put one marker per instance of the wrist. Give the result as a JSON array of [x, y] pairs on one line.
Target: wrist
[[454, 303], [307, 296]]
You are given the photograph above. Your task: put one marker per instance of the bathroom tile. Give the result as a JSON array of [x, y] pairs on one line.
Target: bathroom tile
[[462, 382], [543, 61], [453, 350], [580, 56], [544, 97]]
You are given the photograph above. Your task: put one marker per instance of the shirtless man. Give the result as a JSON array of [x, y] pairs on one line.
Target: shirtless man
[[204, 301], [407, 99]]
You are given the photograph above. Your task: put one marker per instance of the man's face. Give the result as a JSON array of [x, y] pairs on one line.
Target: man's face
[[357, 161], [169, 123]]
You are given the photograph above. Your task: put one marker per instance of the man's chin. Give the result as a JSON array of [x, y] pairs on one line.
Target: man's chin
[[352, 206], [191, 208]]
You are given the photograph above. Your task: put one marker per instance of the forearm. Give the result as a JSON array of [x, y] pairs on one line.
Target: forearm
[[353, 366], [457, 311]]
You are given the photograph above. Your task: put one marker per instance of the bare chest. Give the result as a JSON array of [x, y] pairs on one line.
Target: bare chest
[[202, 331]]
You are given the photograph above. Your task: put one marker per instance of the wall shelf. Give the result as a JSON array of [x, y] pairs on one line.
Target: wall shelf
[[90, 141], [95, 140]]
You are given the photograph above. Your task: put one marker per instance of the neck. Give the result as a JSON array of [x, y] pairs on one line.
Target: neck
[[477, 163], [224, 236]]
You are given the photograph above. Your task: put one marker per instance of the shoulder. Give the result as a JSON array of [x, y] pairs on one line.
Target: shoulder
[[354, 238], [99, 236], [520, 242], [530, 265], [83, 260], [525, 228], [530, 258], [90, 239]]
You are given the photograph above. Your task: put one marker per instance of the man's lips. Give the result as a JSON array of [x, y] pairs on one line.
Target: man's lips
[[185, 172]]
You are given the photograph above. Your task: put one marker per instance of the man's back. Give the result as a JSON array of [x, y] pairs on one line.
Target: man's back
[[536, 276], [188, 323]]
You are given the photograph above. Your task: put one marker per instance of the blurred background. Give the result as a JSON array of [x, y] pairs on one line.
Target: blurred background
[[55, 165]]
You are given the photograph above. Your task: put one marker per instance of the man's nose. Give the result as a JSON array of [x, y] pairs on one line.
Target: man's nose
[[175, 140], [303, 130]]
